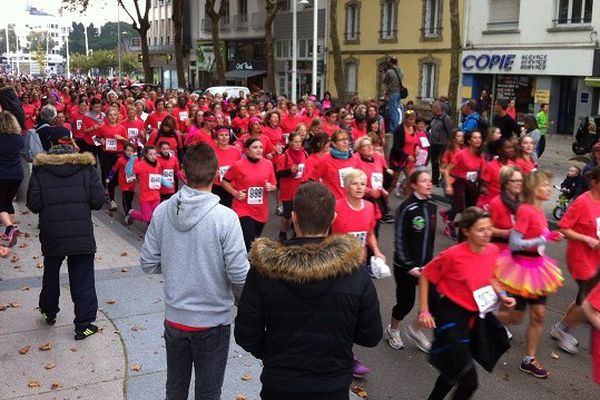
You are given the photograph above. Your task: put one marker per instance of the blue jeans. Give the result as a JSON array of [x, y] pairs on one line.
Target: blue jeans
[[394, 103], [207, 351]]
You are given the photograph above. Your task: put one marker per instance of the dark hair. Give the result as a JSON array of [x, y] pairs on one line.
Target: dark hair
[[318, 142], [503, 103], [170, 121], [452, 146], [468, 137], [314, 206], [543, 105], [414, 177], [129, 144], [148, 148], [200, 165], [339, 132], [370, 123], [593, 174], [250, 141], [420, 119], [160, 144], [470, 216], [530, 121]]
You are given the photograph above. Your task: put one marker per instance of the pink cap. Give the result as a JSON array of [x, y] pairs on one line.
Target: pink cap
[[255, 120]]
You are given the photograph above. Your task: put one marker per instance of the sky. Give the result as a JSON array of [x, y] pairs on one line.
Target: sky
[[99, 11]]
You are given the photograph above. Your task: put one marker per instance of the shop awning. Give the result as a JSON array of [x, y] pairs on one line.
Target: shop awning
[[243, 73], [592, 81]]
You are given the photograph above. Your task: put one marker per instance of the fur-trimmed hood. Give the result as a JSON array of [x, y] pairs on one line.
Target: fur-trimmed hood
[[45, 159], [335, 256]]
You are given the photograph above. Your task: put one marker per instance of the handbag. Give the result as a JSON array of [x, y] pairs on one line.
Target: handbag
[[403, 90], [489, 341]]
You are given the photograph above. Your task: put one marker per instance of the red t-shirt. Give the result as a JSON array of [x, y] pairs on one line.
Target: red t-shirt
[[111, 144], [155, 119], [354, 222], [331, 172], [458, 271], [411, 141], [289, 184], [307, 120], [89, 122], [181, 115], [582, 216], [149, 178], [274, 134], [264, 139], [170, 169], [357, 133], [311, 163], [29, 111], [374, 171], [490, 173], [289, 123], [329, 130], [466, 165], [199, 136], [240, 123], [531, 222], [77, 125], [501, 218], [526, 165], [226, 159], [175, 141], [251, 177], [125, 184], [594, 300], [134, 129]]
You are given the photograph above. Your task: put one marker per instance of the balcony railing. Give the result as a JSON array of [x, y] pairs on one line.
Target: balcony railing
[[503, 25], [240, 22], [258, 19]]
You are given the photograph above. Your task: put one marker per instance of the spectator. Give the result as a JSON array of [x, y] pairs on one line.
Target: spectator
[[484, 104], [393, 81], [439, 133], [542, 121], [532, 130], [505, 122], [315, 287], [49, 134], [197, 244], [471, 117]]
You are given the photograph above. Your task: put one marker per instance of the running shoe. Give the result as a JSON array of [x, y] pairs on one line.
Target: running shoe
[[565, 340], [419, 339], [444, 215], [359, 370], [393, 337], [534, 368], [127, 219], [49, 318], [87, 332], [113, 205], [446, 231], [279, 210], [12, 235]]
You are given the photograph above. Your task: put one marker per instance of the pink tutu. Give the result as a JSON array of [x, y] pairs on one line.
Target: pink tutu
[[526, 276]]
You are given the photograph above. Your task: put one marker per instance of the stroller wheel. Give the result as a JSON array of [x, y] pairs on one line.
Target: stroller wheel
[[558, 212]]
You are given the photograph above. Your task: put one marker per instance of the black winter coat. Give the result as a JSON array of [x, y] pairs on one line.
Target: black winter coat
[[304, 304], [415, 233], [63, 189]]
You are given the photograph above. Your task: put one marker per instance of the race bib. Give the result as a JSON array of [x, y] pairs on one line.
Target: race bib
[[96, 141], [342, 173], [421, 158], [300, 171], [183, 115], [129, 179], [132, 133], [154, 181], [472, 176], [486, 299], [424, 142], [255, 195], [286, 138], [598, 228], [169, 175], [110, 145], [79, 124], [377, 180], [222, 171], [158, 124], [361, 236]]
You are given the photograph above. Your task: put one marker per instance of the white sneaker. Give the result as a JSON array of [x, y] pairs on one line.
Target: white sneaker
[[418, 338], [393, 337], [565, 340], [113, 205]]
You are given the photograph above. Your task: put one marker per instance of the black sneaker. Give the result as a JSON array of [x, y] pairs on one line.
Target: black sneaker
[[89, 331], [49, 318], [534, 368], [388, 219]]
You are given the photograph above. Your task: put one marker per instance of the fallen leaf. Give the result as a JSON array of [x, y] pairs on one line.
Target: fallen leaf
[[73, 349], [40, 265], [34, 383], [24, 212], [3, 307], [14, 259], [360, 392], [56, 385], [240, 397], [24, 349], [136, 367], [124, 254], [136, 328], [26, 234], [554, 355], [25, 288], [50, 365], [14, 305], [246, 377], [125, 270], [23, 245], [45, 346], [111, 301]]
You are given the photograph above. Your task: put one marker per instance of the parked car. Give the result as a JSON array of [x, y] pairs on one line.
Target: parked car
[[232, 91]]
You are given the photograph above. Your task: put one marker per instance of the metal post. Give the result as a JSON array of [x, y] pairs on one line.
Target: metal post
[[314, 49], [18, 53], [68, 55], [294, 50], [85, 35], [119, 37]]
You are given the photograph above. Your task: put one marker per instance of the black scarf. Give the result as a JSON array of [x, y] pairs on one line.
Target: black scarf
[[509, 202]]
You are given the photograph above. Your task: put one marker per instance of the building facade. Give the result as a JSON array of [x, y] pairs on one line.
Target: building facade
[[535, 52], [416, 32]]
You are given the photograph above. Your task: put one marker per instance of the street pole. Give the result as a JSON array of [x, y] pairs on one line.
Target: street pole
[[314, 49], [294, 49], [85, 35], [18, 51], [68, 55], [119, 37]]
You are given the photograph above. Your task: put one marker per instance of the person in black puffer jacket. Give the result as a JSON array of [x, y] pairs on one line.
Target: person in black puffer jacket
[[64, 188], [305, 303]]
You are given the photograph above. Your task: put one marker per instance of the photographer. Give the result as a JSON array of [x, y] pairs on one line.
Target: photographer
[[393, 82]]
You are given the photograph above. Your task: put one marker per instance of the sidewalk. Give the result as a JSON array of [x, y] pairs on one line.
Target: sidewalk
[[126, 360]]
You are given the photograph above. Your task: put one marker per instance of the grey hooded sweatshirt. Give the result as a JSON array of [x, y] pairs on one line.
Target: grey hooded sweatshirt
[[197, 244]]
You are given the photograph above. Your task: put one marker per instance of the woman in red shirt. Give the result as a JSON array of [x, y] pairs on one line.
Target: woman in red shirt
[[169, 165], [240, 122], [504, 206], [290, 171], [310, 113], [227, 155], [290, 121], [318, 147], [149, 177], [92, 122], [113, 136], [126, 183], [525, 158], [403, 153], [273, 131], [134, 127], [464, 169], [155, 119], [527, 273], [581, 227], [29, 110], [249, 180], [591, 309], [255, 131], [76, 121], [168, 133], [460, 273], [503, 151]]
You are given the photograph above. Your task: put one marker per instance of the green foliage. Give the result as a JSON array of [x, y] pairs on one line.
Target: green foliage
[[12, 40], [39, 40], [104, 60]]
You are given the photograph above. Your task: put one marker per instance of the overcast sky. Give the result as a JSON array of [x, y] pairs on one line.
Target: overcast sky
[[98, 12]]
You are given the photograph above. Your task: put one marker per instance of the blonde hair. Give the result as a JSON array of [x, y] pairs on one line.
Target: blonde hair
[[8, 123], [360, 141], [506, 173], [532, 181], [353, 174]]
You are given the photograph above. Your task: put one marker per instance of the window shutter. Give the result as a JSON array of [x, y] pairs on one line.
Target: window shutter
[[504, 14]]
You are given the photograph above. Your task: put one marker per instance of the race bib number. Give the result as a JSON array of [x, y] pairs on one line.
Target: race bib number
[[421, 158], [169, 175], [361, 236], [286, 138], [79, 124], [424, 142], [486, 299], [300, 171], [132, 133], [110, 145], [154, 181], [129, 179], [342, 173], [255, 195], [222, 171], [183, 115], [377, 180], [472, 176]]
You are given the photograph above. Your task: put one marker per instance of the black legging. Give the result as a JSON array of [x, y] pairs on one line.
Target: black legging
[[465, 195], [435, 152], [251, 230], [541, 146], [465, 387], [127, 199], [8, 191], [107, 160], [225, 196], [406, 285]]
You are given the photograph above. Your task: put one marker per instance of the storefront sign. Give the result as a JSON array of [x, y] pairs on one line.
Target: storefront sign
[[489, 62], [542, 96], [244, 65]]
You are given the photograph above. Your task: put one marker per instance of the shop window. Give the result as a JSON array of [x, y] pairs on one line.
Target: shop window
[[574, 12], [282, 49], [432, 21], [243, 10], [351, 77], [428, 81], [352, 34], [389, 27], [504, 15], [302, 48]]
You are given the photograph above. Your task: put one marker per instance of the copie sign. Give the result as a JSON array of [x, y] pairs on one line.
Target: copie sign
[[488, 61]]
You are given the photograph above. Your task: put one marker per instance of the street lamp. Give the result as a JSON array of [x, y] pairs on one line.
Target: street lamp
[[295, 46]]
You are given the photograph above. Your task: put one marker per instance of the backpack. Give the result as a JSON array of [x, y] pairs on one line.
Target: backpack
[[33, 145]]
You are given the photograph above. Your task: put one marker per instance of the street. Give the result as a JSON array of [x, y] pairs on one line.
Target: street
[[128, 358]]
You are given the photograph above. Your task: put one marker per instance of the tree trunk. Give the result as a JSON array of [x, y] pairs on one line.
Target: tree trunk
[[338, 65], [177, 19], [209, 9], [454, 59], [272, 7], [148, 78]]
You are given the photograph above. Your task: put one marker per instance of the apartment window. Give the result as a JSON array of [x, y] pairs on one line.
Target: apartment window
[[504, 15], [302, 53], [161, 40], [352, 33], [428, 79], [168, 40], [351, 76], [243, 10], [286, 5], [155, 40], [432, 21], [282, 49], [389, 11], [574, 12]]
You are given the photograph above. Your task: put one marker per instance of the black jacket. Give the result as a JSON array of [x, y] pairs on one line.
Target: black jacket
[[63, 189], [304, 304], [415, 233]]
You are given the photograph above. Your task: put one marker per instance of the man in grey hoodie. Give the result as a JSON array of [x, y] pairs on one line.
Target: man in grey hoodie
[[197, 244]]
